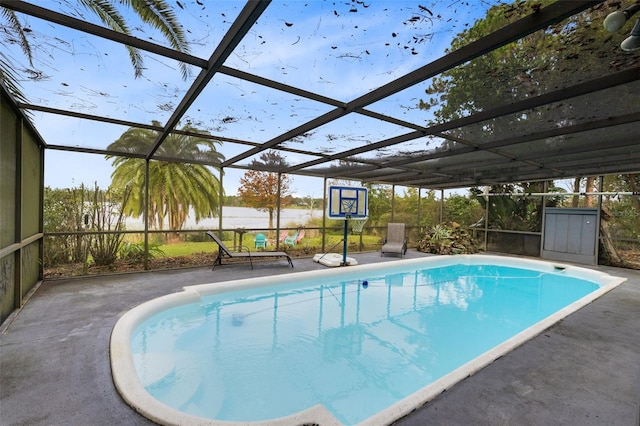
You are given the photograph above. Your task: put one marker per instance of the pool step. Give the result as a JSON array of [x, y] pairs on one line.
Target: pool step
[[153, 367], [180, 385]]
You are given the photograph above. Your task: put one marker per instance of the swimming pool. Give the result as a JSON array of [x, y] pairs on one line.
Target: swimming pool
[[364, 344]]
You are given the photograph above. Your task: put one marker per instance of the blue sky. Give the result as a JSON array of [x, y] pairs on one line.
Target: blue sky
[[341, 50]]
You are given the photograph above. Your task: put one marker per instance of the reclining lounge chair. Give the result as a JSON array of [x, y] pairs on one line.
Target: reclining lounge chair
[[223, 250], [395, 241]]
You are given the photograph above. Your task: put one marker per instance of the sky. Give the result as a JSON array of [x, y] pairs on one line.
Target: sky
[[69, 169], [338, 49]]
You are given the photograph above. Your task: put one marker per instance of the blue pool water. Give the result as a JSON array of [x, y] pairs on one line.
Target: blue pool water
[[355, 348]]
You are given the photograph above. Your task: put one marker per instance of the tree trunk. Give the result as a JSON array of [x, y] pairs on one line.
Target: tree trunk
[[608, 250], [634, 188], [576, 188], [270, 218], [591, 181]]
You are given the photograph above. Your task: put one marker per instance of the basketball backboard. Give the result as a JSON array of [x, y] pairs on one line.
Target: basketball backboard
[[348, 202]]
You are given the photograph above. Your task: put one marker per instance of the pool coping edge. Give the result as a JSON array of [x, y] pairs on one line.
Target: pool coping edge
[[135, 395]]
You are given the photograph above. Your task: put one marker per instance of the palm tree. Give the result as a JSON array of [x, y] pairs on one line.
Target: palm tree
[[174, 187], [156, 13]]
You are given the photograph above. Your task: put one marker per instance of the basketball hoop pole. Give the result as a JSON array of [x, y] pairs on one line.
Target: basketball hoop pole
[[344, 239]]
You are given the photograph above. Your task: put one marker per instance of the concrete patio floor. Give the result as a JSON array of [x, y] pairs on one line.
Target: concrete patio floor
[[55, 369]]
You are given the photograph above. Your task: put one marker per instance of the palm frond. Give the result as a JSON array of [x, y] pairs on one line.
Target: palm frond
[[16, 28], [10, 79], [160, 15], [113, 19]]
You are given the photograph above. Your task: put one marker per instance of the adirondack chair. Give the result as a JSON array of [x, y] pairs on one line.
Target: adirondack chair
[[261, 241], [291, 241]]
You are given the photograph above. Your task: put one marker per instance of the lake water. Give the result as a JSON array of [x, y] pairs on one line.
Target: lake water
[[241, 217]]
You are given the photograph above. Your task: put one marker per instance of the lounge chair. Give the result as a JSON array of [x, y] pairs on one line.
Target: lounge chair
[[261, 241], [396, 241], [223, 250], [291, 241]]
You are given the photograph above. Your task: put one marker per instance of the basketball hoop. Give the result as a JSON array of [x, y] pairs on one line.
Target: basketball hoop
[[358, 224], [350, 204]]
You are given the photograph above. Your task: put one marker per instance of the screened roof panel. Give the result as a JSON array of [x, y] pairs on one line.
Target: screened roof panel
[[409, 150], [590, 111], [468, 161], [81, 133], [345, 133], [612, 139], [79, 72], [333, 169], [235, 108], [287, 158], [406, 106], [623, 156], [387, 175], [229, 149], [343, 50], [203, 24], [336, 87]]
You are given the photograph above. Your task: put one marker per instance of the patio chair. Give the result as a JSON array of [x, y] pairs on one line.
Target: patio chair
[[223, 250], [283, 234], [261, 241], [300, 237], [291, 241], [396, 241]]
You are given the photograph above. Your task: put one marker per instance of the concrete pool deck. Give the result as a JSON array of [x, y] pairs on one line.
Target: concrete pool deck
[[55, 370]]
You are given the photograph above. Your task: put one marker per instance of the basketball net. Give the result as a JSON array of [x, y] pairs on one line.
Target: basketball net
[[358, 224]]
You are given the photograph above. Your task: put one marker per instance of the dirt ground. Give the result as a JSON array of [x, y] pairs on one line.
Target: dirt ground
[[631, 260], [119, 266]]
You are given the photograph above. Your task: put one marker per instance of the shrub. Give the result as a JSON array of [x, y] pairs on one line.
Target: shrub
[[107, 215], [134, 252], [198, 237], [447, 239]]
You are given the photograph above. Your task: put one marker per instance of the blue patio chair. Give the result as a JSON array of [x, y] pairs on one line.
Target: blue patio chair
[[261, 241]]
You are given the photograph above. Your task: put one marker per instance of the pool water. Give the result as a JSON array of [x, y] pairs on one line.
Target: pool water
[[356, 346]]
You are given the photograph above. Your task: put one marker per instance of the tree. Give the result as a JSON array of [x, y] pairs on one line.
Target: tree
[[406, 208], [156, 13], [572, 51], [590, 187], [379, 204], [64, 211], [259, 188], [174, 188], [533, 65], [462, 209], [621, 217], [516, 213]]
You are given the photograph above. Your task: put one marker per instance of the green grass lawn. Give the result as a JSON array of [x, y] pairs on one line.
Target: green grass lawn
[[314, 243], [185, 249]]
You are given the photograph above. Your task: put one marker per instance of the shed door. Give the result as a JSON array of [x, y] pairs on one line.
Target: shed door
[[571, 235]]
